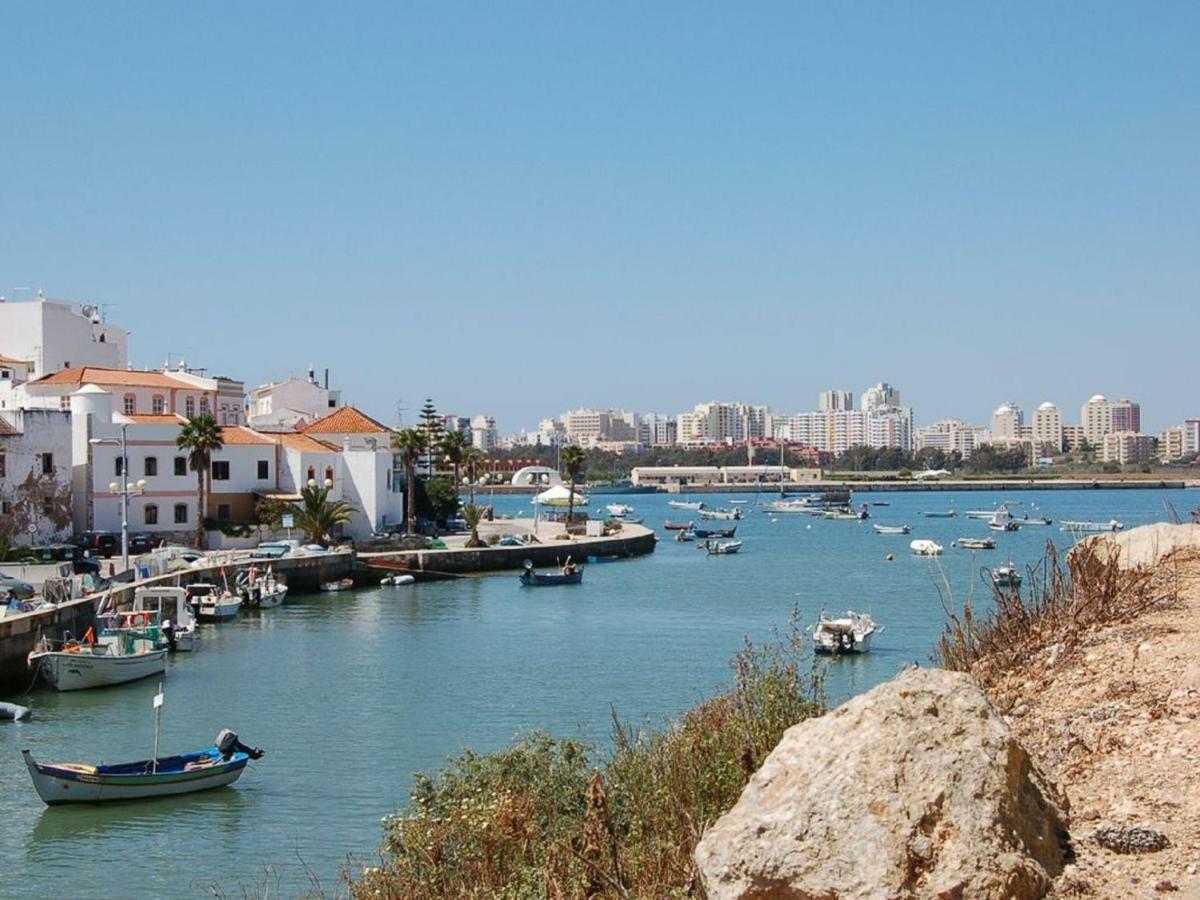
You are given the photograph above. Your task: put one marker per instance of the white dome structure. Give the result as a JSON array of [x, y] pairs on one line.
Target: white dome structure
[[1047, 405], [1098, 398]]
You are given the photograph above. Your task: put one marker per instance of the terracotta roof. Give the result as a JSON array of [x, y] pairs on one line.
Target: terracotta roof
[[152, 419], [347, 420], [119, 377], [306, 444], [240, 435], [6, 429]]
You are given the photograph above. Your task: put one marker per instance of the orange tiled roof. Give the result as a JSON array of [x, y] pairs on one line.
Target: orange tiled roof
[[240, 435], [347, 420], [153, 419], [7, 430], [82, 375], [306, 443]]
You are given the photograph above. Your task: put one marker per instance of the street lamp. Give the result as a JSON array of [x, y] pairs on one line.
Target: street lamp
[[124, 491]]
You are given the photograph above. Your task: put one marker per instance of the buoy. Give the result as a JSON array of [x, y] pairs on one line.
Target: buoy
[[809, 527], [890, 557]]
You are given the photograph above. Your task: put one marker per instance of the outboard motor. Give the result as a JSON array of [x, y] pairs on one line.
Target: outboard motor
[[168, 629], [228, 744]]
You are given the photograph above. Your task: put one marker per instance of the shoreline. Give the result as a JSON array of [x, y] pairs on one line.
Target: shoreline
[[879, 486]]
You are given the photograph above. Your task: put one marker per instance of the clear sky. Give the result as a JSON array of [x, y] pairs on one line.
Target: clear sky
[[522, 208]]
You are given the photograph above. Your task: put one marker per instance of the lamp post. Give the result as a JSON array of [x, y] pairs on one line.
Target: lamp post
[[124, 489]]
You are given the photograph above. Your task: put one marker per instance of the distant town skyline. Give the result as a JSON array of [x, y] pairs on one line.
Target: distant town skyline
[[521, 211]]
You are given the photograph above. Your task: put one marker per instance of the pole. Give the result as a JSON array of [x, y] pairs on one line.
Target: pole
[[124, 501], [158, 705]]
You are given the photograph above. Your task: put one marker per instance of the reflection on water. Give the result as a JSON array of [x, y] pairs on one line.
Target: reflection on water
[[351, 692]]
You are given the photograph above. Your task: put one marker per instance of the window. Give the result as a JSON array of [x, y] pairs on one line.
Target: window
[[3, 466], [119, 466], [5, 507], [189, 407], [333, 404], [158, 404], [220, 470], [151, 466], [312, 475], [204, 406], [130, 404], [150, 514], [47, 463], [180, 513], [47, 506], [264, 470], [181, 465], [329, 473], [223, 512]]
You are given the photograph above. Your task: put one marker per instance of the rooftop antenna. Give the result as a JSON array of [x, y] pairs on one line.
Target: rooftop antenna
[[400, 410]]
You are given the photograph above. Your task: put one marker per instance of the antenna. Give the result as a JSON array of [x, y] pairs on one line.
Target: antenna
[[400, 410]]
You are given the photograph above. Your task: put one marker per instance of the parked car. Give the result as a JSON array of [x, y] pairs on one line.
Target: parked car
[[81, 563], [143, 543], [15, 587], [100, 543]]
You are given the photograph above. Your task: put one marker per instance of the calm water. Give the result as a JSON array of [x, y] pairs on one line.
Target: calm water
[[351, 693]]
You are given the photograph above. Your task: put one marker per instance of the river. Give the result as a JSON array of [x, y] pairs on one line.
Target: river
[[352, 693]]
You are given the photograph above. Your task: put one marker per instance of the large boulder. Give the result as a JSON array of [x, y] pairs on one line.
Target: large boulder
[[915, 789]]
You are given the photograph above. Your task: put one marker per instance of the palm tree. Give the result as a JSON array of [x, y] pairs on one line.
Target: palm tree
[[410, 444], [473, 515], [454, 448], [472, 458], [200, 437], [572, 460], [316, 515]]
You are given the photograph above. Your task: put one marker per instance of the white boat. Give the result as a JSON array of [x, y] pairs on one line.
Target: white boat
[[721, 548], [342, 584], [1027, 520], [725, 515], [113, 658], [260, 591], [925, 547], [849, 634], [1006, 576], [169, 607], [212, 604], [619, 509], [969, 543], [685, 504], [792, 506], [891, 529], [945, 514], [986, 513], [396, 580], [1110, 525]]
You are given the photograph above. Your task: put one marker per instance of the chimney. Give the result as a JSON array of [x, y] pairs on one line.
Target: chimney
[[312, 375], [327, 378]]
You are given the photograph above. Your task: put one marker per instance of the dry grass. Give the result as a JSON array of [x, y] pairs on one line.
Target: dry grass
[[1059, 607], [558, 819]]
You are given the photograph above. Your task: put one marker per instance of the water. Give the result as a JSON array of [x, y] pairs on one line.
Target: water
[[351, 693]]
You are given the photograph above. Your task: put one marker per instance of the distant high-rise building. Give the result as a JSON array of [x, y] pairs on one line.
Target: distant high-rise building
[[950, 435], [833, 400], [1047, 426], [1007, 421], [1125, 447], [484, 434], [1126, 416], [881, 395], [1096, 418]]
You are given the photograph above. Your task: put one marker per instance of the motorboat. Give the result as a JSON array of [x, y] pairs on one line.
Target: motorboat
[[996, 523], [170, 608], [678, 526], [685, 504], [969, 543], [342, 584], [891, 529], [801, 505], [212, 604], [881, 503], [685, 536], [1006, 576], [1027, 521], [940, 514], [396, 579], [199, 770], [619, 510], [721, 548], [925, 547], [727, 515], [1083, 526], [569, 573], [115, 657], [851, 633], [260, 591], [715, 532]]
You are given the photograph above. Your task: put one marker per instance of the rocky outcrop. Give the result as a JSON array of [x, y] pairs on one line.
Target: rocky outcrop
[[916, 789]]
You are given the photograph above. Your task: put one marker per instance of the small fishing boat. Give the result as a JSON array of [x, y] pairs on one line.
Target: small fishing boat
[[619, 509], [342, 584], [1006, 576], [260, 591], [212, 767], [1002, 509], [943, 514], [678, 526], [629, 520], [685, 504], [115, 657], [998, 524], [880, 503], [891, 529], [801, 505], [1083, 526], [849, 634], [715, 532], [395, 580], [727, 515], [212, 604], [612, 557], [685, 536], [169, 607], [925, 547], [567, 574], [722, 548], [969, 543]]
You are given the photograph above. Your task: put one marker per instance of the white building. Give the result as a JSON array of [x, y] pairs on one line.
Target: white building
[[683, 475], [1125, 447], [890, 427], [1048, 426], [834, 400], [135, 392], [484, 434], [658, 430], [292, 403], [950, 435], [51, 335], [1007, 421], [1096, 418], [588, 427], [881, 395], [35, 475]]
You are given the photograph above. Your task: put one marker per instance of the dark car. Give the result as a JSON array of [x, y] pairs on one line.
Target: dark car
[[72, 553], [143, 543], [100, 543]]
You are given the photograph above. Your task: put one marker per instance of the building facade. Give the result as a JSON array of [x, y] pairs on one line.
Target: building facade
[[1007, 421], [1048, 427], [1126, 447], [35, 476], [835, 400], [50, 335], [292, 403]]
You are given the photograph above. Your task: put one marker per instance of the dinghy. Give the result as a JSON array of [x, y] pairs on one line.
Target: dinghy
[[567, 574]]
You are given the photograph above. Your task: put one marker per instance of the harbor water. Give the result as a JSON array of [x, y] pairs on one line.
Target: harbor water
[[350, 693]]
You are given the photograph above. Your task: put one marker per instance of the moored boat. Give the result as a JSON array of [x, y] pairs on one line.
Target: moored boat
[[115, 657], [260, 591], [1026, 521], [848, 634], [721, 548], [685, 504], [212, 604], [891, 529], [169, 607], [1085, 526], [1006, 576], [715, 532], [569, 573], [342, 584], [940, 514], [727, 515], [677, 526], [969, 543], [925, 547], [619, 509], [685, 536], [396, 579]]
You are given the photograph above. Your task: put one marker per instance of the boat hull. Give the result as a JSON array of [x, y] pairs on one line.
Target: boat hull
[[58, 785], [79, 671], [537, 579]]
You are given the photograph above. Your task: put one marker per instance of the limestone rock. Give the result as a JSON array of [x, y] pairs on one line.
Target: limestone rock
[[915, 789]]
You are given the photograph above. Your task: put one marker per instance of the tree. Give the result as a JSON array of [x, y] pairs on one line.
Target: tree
[[473, 515], [454, 448], [432, 429], [316, 515], [201, 437], [409, 443], [13, 552], [437, 499], [572, 459], [472, 457]]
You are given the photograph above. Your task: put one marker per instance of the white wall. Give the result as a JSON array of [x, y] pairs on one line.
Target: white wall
[[56, 335]]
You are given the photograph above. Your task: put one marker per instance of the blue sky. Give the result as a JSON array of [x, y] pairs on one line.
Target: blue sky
[[522, 208]]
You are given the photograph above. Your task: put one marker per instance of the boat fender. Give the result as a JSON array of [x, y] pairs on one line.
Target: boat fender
[[890, 557]]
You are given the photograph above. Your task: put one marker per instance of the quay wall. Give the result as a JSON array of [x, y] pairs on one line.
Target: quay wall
[[1006, 484], [19, 633], [450, 563]]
